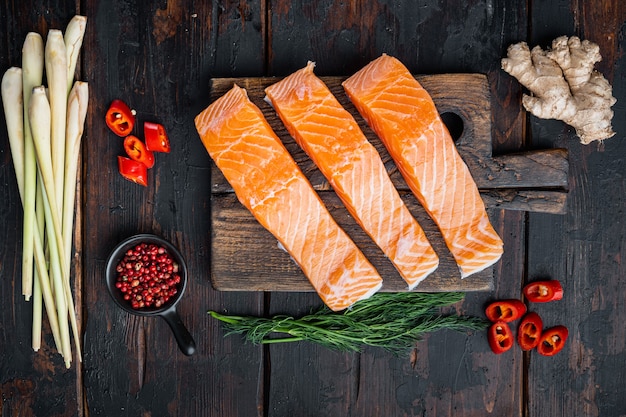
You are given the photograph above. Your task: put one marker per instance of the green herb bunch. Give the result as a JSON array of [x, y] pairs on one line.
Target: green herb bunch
[[392, 321]]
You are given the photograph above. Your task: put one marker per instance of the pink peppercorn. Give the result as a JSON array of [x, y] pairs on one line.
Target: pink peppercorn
[[147, 276]]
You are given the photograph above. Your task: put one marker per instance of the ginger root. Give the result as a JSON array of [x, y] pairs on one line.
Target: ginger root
[[564, 85]]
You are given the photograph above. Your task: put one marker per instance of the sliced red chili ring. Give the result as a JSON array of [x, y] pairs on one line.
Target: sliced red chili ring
[[505, 310], [136, 150], [156, 137], [543, 291], [120, 118], [500, 337], [529, 331], [132, 170], [552, 340]]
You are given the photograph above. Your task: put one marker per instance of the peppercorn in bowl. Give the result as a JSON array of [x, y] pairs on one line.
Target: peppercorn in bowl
[[147, 276]]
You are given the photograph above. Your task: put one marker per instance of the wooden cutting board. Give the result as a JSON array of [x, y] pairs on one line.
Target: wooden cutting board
[[244, 256]]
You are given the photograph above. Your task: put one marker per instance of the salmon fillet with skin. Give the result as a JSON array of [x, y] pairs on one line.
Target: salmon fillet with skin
[[268, 182], [333, 140], [404, 116]]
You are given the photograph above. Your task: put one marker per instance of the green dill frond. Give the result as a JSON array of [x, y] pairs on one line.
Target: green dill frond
[[391, 321]]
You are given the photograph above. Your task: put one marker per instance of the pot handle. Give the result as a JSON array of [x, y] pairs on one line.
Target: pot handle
[[183, 337]]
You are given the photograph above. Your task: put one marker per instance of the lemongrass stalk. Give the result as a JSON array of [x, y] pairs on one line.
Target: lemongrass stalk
[[40, 217], [41, 271], [57, 277], [56, 75], [32, 75], [14, 114], [73, 38], [76, 114], [72, 315], [37, 290], [37, 295], [12, 99], [37, 314], [44, 282], [40, 117], [78, 98]]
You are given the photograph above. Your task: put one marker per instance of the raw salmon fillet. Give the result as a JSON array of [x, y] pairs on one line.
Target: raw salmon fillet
[[269, 183], [404, 116], [333, 140]]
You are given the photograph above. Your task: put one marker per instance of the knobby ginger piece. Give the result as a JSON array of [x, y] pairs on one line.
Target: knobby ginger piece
[[564, 85]]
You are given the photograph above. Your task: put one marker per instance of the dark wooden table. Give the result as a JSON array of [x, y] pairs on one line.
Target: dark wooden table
[[160, 57]]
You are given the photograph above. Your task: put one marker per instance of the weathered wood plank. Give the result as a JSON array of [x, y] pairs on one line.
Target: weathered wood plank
[[585, 248], [464, 95], [246, 256], [447, 374], [159, 58]]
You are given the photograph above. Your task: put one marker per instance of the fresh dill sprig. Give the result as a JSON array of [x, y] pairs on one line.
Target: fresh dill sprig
[[391, 321]]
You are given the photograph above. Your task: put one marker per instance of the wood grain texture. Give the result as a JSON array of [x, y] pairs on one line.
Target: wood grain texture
[[342, 37], [585, 248], [464, 95], [160, 57], [246, 257]]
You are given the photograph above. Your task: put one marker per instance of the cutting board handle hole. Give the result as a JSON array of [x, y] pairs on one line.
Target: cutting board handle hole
[[454, 123]]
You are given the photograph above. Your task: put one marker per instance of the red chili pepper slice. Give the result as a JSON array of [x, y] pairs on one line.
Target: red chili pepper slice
[[132, 170], [552, 340], [120, 118], [136, 149], [156, 137], [505, 310], [529, 331], [500, 337], [543, 291]]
